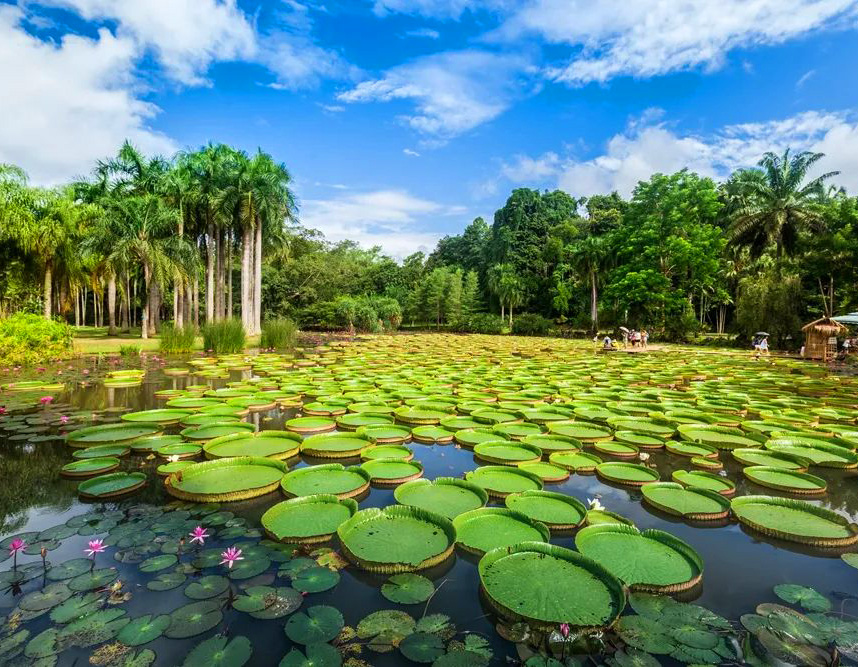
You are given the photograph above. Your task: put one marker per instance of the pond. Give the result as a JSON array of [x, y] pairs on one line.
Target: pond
[[721, 415]]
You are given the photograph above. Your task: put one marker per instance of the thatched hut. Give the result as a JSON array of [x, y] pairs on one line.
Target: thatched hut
[[820, 338]]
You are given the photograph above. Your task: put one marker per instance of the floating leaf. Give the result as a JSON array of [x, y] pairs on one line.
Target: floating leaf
[[286, 600], [95, 628], [422, 647], [77, 606], [315, 580], [385, 629], [144, 629], [207, 587], [158, 563], [47, 598], [194, 619], [807, 598], [90, 581], [315, 655], [407, 588], [218, 651], [318, 625], [166, 582]]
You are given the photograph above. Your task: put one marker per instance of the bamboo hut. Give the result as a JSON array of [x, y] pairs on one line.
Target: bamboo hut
[[820, 338]]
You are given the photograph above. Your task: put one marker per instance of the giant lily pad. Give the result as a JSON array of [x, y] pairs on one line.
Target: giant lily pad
[[556, 510], [270, 444], [704, 480], [311, 424], [575, 461], [818, 452], [431, 434], [447, 496], [312, 518], [722, 437], [692, 503], [507, 453], [101, 451], [651, 560], [487, 528], [90, 467], [163, 417], [765, 457], [795, 521], [206, 432], [112, 485], [500, 481], [330, 478], [111, 434], [583, 431], [334, 445], [563, 586], [226, 480], [397, 539], [392, 471], [375, 452], [785, 480], [627, 474], [407, 588], [551, 442]]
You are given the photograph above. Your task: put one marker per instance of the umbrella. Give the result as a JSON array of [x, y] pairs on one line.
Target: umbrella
[[761, 333], [623, 329], [851, 319]]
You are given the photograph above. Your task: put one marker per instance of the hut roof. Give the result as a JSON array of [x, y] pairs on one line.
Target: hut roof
[[824, 325]]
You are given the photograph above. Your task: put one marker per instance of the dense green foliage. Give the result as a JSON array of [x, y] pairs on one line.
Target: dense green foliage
[[224, 336], [177, 340], [279, 334], [28, 339]]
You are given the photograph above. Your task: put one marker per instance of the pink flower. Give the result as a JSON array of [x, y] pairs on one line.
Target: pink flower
[[44, 400], [231, 556], [564, 630], [41, 369], [86, 371], [95, 547], [17, 545], [199, 534], [2, 409], [64, 419]]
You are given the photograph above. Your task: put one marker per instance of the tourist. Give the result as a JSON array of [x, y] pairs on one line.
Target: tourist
[[608, 343], [763, 347], [632, 335], [644, 338], [625, 338]]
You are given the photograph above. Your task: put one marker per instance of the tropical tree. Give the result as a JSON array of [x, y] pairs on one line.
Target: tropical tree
[[773, 205], [589, 257]]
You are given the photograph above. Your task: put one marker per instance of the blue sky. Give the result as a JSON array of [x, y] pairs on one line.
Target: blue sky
[[402, 120]]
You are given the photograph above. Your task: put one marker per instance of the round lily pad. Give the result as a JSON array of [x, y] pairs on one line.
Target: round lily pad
[[226, 480], [385, 629], [90, 581], [619, 450], [447, 496], [470, 438], [552, 442], [504, 452], [101, 452], [334, 445], [158, 563], [785, 480], [164, 416], [583, 431], [68, 569], [392, 471], [375, 452], [111, 434], [315, 579], [547, 472], [220, 651], [431, 434], [807, 598], [77, 607], [90, 467], [167, 469], [422, 647], [487, 528], [194, 619], [207, 587], [556, 510], [692, 449], [704, 480], [385, 433], [766, 457], [819, 453], [311, 424], [314, 655], [96, 627], [396, 539], [181, 450], [691, 503], [575, 461], [282, 602], [143, 630], [795, 521], [112, 485], [313, 518], [627, 474], [500, 481], [407, 588], [46, 598], [270, 444], [651, 560], [722, 437], [206, 432], [330, 478], [166, 582], [563, 586], [318, 624], [152, 443]]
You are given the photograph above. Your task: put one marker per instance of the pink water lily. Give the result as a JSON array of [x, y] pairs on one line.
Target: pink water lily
[[64, 419], [231, 556], [14, 547], [95, 547], [199, 534], [2, 409], [44, 400], [564, 630]]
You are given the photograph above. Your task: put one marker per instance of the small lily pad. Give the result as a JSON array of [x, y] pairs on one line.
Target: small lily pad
[[407, 588], [807, 598], [315, 655], [319, 624], [143, 630], [315, 580], [219, 651], [194, 619], [422, 647], [207, 587], [166, 582]]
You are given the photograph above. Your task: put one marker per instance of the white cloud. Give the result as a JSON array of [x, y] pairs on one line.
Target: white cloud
[[185, 35], [388, 218], [410, 153], [428, 33], [453, 91], [333, 108], [651, 37], [68, 103], [646, 148], [804, 78]]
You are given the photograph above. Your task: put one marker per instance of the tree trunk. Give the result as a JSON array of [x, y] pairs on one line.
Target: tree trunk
[[77, 307], [187, 303], [510, 315], [128, 323], [247, 279], [154, 307], [503, 312], [229, 274], [196, 304], [178, 290], [594, 302], [144, 328], [219, 273], [48, 285], [111, 305], [210, 274], [257, 282]]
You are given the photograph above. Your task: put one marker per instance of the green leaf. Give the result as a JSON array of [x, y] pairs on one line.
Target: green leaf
[[143, 630], [207, 587], [315, 580], [807, 598], [385, 629], [422, 647], [194, 619], [218, 651], [318, 625], [315, 655], [407, 588]]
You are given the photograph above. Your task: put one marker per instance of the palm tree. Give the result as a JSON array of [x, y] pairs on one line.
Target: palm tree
[[589, 256], [140, 230], [772, 205]]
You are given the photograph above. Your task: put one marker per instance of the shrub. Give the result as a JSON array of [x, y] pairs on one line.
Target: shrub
[[224, 337], [130, 350], [389, 312], [365, 318], [30, 339], [479, 323], [177, 341], [279, 334], [531, 324]]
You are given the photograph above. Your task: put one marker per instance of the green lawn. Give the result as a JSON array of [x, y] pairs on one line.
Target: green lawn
[[94, 340]]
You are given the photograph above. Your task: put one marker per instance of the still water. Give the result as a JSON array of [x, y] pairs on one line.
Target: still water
[[740, 568]]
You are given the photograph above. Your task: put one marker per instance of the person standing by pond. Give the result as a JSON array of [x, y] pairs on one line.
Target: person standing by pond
[[644, 337]]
